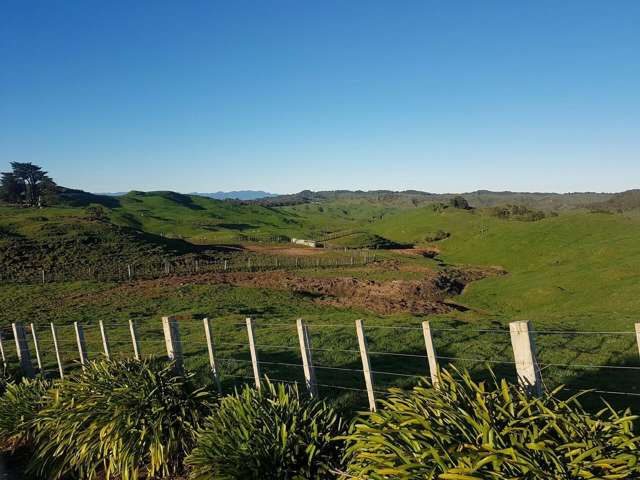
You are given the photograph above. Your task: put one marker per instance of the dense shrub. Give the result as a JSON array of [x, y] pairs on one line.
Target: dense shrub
[[126, 419], [271, 433], [459, 202], [517, 212], [466, 430], [19, 404], [437, 236]]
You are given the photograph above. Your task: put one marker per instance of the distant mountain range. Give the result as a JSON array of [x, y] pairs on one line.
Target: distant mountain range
[[244, 195], [237, 195]]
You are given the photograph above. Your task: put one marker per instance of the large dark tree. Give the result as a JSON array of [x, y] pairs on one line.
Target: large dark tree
[[27, 182], [11, 190]]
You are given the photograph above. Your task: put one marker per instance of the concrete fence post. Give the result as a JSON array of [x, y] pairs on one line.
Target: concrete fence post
[[366, 364], [22, 349], [431, 355], [215, 371], [57, 350], [172, 342], [135, 340], [2, 354], [524, 354], [307, 359], [254, 353], [36, 347], [105, 341], [82, 344]]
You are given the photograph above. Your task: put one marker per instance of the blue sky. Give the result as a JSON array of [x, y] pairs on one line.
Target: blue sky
[[443, 96]]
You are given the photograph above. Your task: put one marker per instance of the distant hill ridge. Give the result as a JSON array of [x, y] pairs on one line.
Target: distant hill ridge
[[481, 198], [220, 195], [622, 201], [478, 198]]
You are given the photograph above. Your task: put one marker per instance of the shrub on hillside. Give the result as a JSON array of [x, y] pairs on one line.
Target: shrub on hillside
[[20, 402], [124, 419], [468, 430], [437, 236], [517, 212], [271, 433], [460, 202]]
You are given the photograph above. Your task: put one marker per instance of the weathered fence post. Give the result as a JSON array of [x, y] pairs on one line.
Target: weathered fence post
[[4, 358], [134, 339], [105, 341], [638, 335], [172, 342], [82, 344], [431, 354], [129, 271], [42, 276], [307, 359], [215, 371], [524, 354], [57, 350], [254, 352], [225, 265], [366, 364], [22, 349], [36, 347]]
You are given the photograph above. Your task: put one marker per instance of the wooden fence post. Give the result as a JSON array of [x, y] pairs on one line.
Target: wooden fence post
[[638, 335], [105, 341], [36, 347], [22, 349], [524, 354], [134, 339], [254, 352], [431, 355], [215, 371], [55, 346], [4, 358], [82, 344], [172, 342], [307, 359], [366, 364]]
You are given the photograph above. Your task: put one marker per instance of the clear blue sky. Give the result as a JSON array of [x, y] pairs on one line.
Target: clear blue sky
[[287, 95]]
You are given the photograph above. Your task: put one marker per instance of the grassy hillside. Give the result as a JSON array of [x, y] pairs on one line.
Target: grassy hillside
[[574, 269]]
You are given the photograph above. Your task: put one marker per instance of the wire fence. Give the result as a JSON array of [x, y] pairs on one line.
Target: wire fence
[[340, 359], [121, 270]]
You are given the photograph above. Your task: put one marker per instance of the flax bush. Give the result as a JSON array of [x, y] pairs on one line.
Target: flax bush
[[123, 419], [268, 434], [19, 404], [468, 430]]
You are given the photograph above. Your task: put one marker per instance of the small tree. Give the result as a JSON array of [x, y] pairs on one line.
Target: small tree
[[460, 202]]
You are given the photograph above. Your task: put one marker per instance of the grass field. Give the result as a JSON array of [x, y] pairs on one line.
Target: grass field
[[575, 271]]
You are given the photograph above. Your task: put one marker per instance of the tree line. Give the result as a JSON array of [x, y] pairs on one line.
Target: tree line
[[27, 184]]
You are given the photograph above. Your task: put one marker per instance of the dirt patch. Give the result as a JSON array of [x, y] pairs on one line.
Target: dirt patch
[[426, 295], [429, 252], [286, 250]]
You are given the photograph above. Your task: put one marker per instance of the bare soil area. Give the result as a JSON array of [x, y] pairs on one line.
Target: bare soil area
[[286, 250], [426, 295]]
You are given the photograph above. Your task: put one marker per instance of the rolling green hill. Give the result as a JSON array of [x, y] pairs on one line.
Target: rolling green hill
[[577, 268]]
